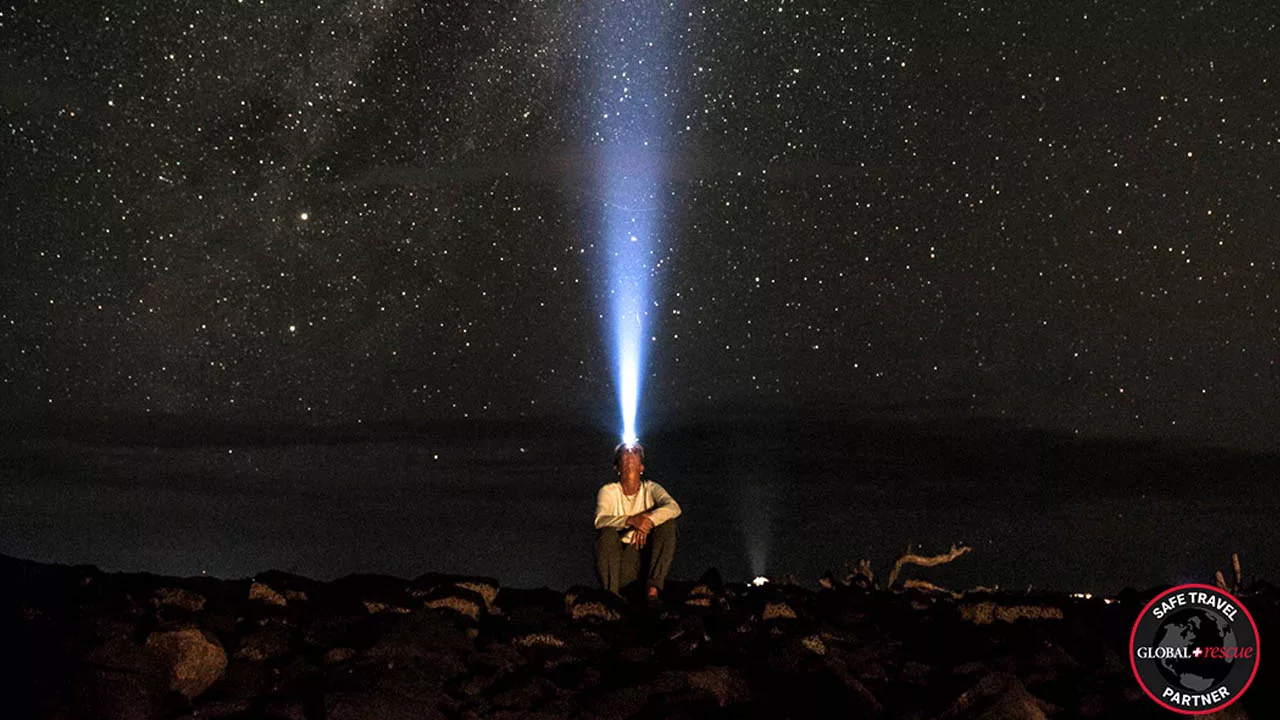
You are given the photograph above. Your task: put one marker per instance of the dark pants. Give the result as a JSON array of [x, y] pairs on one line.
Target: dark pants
[[619, 564]]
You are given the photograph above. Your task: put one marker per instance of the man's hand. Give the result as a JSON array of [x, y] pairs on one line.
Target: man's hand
[[638, 538], [640, 522]]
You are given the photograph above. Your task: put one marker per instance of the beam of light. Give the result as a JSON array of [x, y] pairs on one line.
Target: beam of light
[[629, 389], [630, 110], [755, 505], [630, 271]]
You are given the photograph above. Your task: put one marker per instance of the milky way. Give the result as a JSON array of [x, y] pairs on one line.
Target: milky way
[[1059, 214]]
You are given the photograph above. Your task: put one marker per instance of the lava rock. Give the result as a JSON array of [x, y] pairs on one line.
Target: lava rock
[[193, 659], [260, 592], [996, 696], [592, 604], [180, 598]]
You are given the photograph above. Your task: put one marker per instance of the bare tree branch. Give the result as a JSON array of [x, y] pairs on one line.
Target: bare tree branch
[[926, 585], [925, 561]]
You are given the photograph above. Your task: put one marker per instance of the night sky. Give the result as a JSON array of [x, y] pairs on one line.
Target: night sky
[[1062, 215]]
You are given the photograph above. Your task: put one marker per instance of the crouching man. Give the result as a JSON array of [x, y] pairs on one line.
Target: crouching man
[[635, 527]]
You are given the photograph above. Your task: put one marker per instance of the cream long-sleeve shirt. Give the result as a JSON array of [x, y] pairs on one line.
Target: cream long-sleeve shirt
[[613, 507]]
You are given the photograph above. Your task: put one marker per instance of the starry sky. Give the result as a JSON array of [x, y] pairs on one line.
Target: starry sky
[[1059, 214]]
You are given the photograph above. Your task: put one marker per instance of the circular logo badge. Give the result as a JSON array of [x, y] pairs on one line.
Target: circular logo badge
[[1194, 649]]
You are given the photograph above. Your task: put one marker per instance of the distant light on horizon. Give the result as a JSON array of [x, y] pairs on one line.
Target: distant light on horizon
[[760, 580]]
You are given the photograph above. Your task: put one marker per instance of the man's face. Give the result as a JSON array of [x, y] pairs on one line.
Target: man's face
[[630, 465]]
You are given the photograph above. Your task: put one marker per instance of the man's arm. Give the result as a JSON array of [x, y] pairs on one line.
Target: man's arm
[[664, 507], [605, 503]]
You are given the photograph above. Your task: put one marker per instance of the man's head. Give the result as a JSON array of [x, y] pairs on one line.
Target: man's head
[[628, 459]]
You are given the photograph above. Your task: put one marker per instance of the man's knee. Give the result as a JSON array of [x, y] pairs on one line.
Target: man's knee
[[608, 537], [666, 528]]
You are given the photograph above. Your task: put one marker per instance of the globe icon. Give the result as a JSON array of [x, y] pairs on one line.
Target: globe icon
[[1193, 628]]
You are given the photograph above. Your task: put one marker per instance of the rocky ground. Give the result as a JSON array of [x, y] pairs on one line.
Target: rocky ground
[[86, 644]]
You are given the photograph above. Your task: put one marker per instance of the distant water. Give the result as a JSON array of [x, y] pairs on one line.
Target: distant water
[[1037, 512]]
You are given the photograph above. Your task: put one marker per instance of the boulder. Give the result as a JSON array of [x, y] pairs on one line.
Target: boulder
[[351, 593], [813, 643], [996, 696], [573, 673], [374, 607], [262, 592], [521, 689], [707, 592], [700, 597], [353, 631], [280, 706], [987, 612], [535, 605], [725, 685], [538, 640], [866, 662], [116, 678], [829, 581], [528, 612], [712, 581], [396, 689], [290, 585], [857, 697], [582, 639], [485, 587], [193, 659], [421, 635], [594, 611], [629, 700], [488, 591], [242, 682], [777, 610], [685, 636], [592, 604], [333, 656], [705, 595], [915, 673], [795, 654], [179, 598], [372, 704], [456, 599], [264, 644], [712, 691]]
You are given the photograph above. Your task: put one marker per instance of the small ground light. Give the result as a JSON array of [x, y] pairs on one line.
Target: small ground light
[[760, 580]]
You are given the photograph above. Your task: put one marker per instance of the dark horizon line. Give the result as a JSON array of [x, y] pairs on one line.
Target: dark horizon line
[[172, 430]]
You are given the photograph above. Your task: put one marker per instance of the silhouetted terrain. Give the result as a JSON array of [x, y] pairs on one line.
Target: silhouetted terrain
[[278, 645]]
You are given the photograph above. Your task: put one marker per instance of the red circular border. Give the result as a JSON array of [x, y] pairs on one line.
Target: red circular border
[[1257, 647]]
